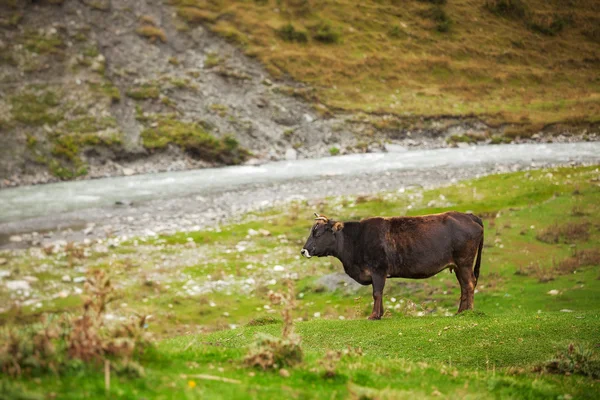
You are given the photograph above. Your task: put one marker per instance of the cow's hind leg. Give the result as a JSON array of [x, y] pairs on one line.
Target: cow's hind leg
[[378, 285], [466, 279]]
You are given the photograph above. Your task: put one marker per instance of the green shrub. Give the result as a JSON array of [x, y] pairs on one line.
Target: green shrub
[[396, 32], [592, 32], [334, 151], [325, 33], [507, 8], [290, 34], [443, 22], [578, 360], [193, 139], [550, 25]]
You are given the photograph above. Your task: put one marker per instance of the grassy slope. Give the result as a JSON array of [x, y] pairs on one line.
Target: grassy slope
[[475, 355], [390, 57]]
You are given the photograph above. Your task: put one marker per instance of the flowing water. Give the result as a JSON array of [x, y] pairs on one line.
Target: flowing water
[[51, 199]]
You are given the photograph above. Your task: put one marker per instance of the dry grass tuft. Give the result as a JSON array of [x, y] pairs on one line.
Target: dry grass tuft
[[542, 274], [579, 259], [196, 15], [332, 358], [68, 341], [575, 360], [270, 352], [568, 233], [152, 32]]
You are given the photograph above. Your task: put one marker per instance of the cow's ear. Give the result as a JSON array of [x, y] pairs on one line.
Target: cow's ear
[[338, 226]]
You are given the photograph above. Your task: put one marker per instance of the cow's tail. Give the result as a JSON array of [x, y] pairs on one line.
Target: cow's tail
[[478, 261]]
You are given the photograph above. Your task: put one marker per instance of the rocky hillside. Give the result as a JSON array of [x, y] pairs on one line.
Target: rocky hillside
[[92, 88]]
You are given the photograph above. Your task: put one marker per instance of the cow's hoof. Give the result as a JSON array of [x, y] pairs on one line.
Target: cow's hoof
[[374, 318]]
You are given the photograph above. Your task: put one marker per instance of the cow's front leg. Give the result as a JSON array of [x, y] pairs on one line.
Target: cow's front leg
[[378, 284]]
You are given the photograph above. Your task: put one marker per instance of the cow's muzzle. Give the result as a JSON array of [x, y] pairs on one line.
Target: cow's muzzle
[[305, 253]]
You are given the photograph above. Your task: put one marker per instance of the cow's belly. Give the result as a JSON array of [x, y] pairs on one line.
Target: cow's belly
[[417, 269]]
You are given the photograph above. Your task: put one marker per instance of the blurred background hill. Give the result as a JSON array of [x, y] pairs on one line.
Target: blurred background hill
[[96, 87]]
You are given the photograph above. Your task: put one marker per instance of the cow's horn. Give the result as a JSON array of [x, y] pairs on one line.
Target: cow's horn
[[320, 218]]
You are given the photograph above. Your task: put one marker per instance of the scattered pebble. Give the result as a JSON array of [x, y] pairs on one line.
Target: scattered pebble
[[18, 285], [284, 373]]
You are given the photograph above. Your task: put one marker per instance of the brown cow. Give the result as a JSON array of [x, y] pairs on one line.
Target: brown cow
[[375, 249]]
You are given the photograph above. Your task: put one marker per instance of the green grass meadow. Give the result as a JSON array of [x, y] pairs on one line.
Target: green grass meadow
[[208, 295]]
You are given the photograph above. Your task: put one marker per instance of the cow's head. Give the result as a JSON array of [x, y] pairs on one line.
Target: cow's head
[[323, 237]]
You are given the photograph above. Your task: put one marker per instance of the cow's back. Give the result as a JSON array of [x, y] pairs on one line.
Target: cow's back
[[410, 243]]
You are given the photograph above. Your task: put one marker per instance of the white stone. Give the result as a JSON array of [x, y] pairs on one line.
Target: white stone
[[278, 268], [553, 292], [128, 171], [317, 315], [16, 239], [308, 118], [291, 154], [17, 285], [79, 279], [395, 148]]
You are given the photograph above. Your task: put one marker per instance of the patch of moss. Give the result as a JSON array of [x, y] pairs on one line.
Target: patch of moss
[[89, 124], [144, 92], [31, 141], [42, 44], [467, 138], [66, 161], [212, 60], [66, 147], [91, 51], [107, 89], [11, 20], [522, 131], [179, 83], [288, 133], [36, 108], [334, 151], [193, 139], [496, 139], [220, 109]]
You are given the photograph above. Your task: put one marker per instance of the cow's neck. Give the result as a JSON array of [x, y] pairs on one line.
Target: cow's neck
[[346, 248]]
